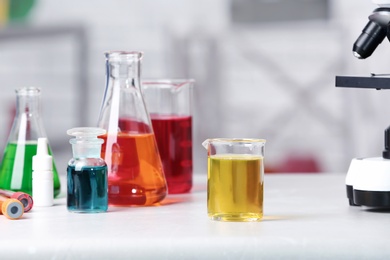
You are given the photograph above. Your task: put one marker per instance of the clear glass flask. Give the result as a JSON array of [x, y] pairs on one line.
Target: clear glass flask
[[135, 172], [87, 172], [169, 102], [27, 127]]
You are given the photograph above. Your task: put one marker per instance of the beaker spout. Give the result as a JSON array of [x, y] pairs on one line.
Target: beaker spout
[[206, 144]]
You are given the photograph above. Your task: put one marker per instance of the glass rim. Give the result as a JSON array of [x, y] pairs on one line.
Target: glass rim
[[237, 140], [86, 131], [28, 91], [119, 55], [166, 82]]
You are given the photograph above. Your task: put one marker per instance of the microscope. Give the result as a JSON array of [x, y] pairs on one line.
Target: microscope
[[368, 179]]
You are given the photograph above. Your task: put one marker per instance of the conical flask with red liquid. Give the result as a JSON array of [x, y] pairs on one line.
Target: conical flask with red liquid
[[27, 127], [135, 172]]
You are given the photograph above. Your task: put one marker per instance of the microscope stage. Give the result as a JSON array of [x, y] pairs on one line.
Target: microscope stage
[[381, 81]]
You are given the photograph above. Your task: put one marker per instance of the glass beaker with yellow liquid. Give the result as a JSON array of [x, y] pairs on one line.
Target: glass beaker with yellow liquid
[[235, 179]]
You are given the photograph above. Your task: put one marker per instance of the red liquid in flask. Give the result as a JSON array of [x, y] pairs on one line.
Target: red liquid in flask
[[135, 173], [174, 140]]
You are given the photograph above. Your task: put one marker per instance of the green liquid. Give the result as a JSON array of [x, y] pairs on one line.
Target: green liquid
[[16, 168]]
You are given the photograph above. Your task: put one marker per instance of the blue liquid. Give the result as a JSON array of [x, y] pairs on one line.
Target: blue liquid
[[87, 189]]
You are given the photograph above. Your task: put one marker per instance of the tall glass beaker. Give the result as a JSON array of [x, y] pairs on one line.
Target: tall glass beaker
[[27, 127], [135, 172], [169, 102], [235, 179]]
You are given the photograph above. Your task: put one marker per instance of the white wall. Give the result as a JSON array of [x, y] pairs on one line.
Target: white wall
[[273, 81]]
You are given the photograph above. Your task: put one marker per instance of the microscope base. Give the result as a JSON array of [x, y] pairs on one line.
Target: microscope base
[[368, 182], [350, 195], [376, 199]]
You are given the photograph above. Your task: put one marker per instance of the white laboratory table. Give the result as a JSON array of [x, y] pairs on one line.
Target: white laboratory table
[[307, 216]]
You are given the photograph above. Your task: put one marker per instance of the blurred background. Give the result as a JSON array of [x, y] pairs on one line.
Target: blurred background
[[263, 69]]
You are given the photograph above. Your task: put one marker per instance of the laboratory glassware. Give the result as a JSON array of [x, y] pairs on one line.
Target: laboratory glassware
[[87, 173], [135, 172], [169, 102], [27, 127], [235, 179]]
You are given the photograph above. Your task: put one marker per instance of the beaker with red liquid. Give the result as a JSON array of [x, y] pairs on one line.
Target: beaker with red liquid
[[135, 171], [169, 103]]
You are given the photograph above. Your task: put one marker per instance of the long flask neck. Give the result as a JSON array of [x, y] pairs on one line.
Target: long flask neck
[[28, 103], [123, 108], [27, 124], [124, 69]]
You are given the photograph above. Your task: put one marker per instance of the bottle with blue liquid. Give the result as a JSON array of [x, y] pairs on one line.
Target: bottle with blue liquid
[[87, 173]]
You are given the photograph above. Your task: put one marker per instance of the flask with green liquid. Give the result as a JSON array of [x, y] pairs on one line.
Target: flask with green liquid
[[27, 127]]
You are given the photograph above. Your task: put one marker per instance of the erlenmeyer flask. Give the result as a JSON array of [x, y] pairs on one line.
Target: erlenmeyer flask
[[27, 127], [135, 173]]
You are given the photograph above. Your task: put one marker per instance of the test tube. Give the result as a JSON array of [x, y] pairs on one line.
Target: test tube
[[11, 208], [24, 198]]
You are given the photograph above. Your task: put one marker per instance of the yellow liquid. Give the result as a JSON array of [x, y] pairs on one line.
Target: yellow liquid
[[235, 187]]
